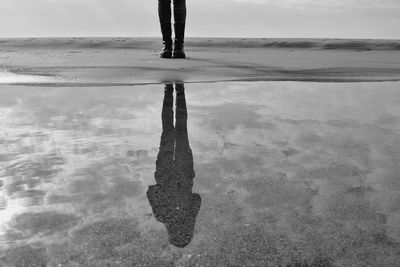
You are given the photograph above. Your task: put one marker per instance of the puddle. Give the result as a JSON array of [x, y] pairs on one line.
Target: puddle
[[15, 78], [263, 173]]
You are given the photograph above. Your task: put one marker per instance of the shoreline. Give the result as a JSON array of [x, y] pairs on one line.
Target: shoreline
[[127, 61], [146, 42]]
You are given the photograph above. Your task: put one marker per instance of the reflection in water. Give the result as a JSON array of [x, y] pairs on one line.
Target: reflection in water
[[290, 174], [171, 199]]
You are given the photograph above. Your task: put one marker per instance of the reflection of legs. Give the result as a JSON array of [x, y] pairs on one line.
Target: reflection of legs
[[164, 14], [183, 153], [166, 152]]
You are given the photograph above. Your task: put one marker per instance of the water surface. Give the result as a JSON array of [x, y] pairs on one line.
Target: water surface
[[287, 173]]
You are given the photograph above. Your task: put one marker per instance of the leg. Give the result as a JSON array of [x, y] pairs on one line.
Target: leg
[[180, 20], [165, 155], [180, 11], [183, 153], [164, 14]]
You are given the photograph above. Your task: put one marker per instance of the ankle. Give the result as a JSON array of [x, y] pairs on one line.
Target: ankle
[[178, 45]]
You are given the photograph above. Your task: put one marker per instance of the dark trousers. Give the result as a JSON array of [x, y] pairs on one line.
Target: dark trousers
[[175, 159], [164, 11]]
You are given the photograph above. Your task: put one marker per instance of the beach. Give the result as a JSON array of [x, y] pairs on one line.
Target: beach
[[250, 152], [127, 61]]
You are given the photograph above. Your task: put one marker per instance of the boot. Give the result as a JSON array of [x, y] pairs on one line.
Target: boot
[[166, 31], [180, 88], [179, 40]]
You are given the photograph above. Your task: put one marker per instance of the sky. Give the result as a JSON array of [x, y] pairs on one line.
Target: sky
[[206, 18]]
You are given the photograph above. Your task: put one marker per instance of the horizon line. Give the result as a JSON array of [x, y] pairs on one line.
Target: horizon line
[[201, 37]]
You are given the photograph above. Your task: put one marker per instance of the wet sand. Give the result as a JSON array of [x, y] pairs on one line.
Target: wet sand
[[288, 173], [128, 61], [277, 173]]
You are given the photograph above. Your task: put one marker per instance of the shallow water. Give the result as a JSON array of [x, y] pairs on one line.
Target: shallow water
[[287, 173], [7, 77]]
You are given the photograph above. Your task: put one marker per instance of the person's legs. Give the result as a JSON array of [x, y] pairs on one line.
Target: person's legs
[[180, 11], [180, 20], [164, 14], [164, 162], [183, 153]]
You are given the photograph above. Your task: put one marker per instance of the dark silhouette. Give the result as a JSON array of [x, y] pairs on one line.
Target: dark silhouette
[[171, 199], [164, 13]]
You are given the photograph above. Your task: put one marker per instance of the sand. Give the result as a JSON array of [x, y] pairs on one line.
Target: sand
[[130, 61], [290, 173]]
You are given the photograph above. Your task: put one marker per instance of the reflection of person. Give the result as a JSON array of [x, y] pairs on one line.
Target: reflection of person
[[171, 199], [164, 13]]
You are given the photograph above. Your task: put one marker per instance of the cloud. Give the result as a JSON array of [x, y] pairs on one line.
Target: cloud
[[48, 222], [226, 18], [343, 4]]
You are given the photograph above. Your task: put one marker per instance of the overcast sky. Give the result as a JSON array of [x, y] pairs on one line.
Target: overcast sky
[[214, 18]]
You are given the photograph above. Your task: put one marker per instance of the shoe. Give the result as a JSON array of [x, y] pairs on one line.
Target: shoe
[[166, 52], [166, 31], [169, 87], [180, 88], [179, 40], [179, 53]]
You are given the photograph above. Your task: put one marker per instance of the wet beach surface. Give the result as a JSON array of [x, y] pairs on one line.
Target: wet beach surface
[[288, 174], [128, 61]]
